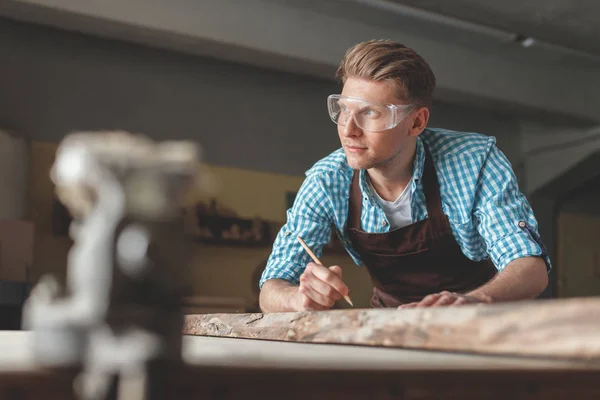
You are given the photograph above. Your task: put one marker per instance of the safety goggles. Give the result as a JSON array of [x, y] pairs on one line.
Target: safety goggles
[[367, 115]]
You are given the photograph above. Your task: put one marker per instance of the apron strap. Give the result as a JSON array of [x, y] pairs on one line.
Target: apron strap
[[355, 202], [431, 187]]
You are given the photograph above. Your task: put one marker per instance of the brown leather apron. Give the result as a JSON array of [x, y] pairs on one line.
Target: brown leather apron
[[408, 263]]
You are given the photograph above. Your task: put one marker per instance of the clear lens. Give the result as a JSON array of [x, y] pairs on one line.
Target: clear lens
[[367, 115]]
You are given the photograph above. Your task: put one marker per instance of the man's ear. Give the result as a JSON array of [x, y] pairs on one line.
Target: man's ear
[[419, 121]]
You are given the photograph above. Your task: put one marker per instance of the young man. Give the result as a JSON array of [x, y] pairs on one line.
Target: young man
[[436, 216]]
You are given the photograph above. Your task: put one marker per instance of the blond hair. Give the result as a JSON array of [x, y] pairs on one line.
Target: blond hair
[[386, 60]]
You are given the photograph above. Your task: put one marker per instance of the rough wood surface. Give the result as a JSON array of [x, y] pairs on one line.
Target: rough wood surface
[[17, 354], [566, 328]]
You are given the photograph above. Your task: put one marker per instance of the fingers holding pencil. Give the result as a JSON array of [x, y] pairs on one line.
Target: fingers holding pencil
[[325, 284]]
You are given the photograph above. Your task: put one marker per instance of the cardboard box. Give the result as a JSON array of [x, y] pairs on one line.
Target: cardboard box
[[16, 249]]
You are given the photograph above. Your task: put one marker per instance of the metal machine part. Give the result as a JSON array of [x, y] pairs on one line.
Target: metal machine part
[[118, 321]]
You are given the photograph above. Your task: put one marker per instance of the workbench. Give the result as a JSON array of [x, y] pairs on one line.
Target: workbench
[[459, 353]]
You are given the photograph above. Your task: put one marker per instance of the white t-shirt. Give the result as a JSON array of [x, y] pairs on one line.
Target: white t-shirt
[[398, 212]]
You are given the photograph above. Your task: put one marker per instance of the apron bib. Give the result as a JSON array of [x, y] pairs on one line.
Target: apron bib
[[411, 262]]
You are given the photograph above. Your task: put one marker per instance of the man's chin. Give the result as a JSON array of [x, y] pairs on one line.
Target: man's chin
[[357, 164]]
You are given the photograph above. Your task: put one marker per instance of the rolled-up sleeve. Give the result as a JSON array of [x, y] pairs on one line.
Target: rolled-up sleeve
[[311, 218], [504, 217]]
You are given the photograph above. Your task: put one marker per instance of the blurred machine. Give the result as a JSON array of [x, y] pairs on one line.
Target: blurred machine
[[118, 322]]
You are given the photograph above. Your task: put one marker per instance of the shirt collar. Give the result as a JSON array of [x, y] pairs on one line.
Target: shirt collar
[[419, 162]]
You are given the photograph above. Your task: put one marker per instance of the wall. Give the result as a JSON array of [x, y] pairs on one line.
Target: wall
[[578, 256], [50, 252], [13, 173], [584, 203], [16, 235], [578, 260], [556, 159], [551, 150], [54, 82]]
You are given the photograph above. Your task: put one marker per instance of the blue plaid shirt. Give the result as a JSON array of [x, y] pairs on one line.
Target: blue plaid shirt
[[489, 216]]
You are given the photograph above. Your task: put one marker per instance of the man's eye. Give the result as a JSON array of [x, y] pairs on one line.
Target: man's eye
[[370, 113]]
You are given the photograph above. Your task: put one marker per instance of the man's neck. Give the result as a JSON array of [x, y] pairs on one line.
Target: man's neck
[[390, 180]]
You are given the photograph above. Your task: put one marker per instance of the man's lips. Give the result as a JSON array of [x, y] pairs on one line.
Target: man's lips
[[355, 149]]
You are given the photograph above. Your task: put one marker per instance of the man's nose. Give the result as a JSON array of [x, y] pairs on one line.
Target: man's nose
[[350, 128]]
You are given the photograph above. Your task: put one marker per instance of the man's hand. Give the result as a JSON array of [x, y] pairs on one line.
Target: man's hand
[[523, 278], [319, 288], [446, 298]]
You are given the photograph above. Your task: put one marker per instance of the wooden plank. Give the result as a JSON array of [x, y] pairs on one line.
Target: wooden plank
[[566, 328], [16, 354], [251, 353], [238, 371]]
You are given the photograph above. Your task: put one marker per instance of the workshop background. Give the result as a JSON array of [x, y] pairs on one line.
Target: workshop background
[[248, 79]]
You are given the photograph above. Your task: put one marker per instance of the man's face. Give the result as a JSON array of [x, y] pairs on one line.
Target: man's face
[[365, 149]]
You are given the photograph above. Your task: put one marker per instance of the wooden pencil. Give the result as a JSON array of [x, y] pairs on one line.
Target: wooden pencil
[[316, 260]]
